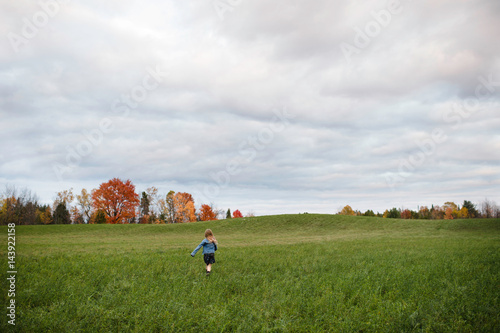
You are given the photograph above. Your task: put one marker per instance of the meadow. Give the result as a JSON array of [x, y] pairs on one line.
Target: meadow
[[284, 273]]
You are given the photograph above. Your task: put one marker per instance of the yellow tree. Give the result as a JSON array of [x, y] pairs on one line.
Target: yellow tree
[[46, 216], [66, 197], [347, 210], [84, 201], [8, 211], [463, 213]]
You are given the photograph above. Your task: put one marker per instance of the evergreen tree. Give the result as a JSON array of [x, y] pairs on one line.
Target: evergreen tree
[[144, 204], [100, 217], [144, 216], [61, 214], [228, 214], [471, 208], [394, 213], [369, 212]]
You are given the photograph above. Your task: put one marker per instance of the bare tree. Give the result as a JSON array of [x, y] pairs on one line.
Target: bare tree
[[84, 202], [154, 200], [488, 208]]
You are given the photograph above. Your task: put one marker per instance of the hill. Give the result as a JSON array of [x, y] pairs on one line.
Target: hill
[[276, 229], [302, 272]]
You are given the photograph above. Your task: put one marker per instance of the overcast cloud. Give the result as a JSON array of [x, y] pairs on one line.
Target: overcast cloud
[[270, 107]]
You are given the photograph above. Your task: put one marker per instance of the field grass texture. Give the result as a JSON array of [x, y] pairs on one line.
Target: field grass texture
[[285, 273]]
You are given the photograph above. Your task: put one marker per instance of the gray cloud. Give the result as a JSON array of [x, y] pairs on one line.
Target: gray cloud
[[356, 120]]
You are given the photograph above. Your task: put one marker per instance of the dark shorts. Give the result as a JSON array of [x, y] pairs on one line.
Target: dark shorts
[[209, 258]]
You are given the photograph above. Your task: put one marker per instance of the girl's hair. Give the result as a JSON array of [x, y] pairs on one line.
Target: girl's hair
[[210, 236]]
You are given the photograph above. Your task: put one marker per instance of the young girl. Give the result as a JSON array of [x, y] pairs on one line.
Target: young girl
[[209, 247]]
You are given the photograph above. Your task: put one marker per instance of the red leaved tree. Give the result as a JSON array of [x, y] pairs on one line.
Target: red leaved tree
[[406, 214], [117, 199], [207, 213], [237, 214]]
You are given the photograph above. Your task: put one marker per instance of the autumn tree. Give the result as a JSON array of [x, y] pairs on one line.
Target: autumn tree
[[451, 205], [448, 213], [65, 197], [437, 213], [406, 214], [18, 206], [97, 217], [84, 204], [463, 213], [184, 207], [76, 216], [454, 209], [44, 215], [117, 199], [10, 210], [237, 214], [347, 210], [424, 213], [207, 213]]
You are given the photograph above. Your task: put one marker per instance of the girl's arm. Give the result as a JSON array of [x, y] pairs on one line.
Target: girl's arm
[[197, 248]]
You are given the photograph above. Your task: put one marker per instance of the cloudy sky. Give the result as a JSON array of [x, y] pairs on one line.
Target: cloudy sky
[[264, 106]]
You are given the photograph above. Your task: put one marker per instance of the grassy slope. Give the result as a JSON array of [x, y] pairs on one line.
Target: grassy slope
[[276, 273]]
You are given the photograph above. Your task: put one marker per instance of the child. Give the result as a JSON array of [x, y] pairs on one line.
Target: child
[[209, 247]]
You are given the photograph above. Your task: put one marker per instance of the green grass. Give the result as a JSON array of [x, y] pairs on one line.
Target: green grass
[[287, 273]]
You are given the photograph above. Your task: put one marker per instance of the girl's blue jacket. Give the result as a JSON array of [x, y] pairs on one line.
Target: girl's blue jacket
[[208, 247]]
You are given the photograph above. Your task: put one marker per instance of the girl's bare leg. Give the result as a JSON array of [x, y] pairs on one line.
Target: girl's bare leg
[[209, 267]]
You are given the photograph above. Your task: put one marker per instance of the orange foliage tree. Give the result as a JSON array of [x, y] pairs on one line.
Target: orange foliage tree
[[237, 214], [424, 213], [448, 215], [207, 213], [406, 214], [117, 199], [184, 208], [347, 210]]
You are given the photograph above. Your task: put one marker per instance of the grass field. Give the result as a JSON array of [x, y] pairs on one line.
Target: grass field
[[286, 273]]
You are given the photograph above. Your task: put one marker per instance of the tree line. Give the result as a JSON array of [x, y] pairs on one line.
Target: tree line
[[448, 211], [113, 202]]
